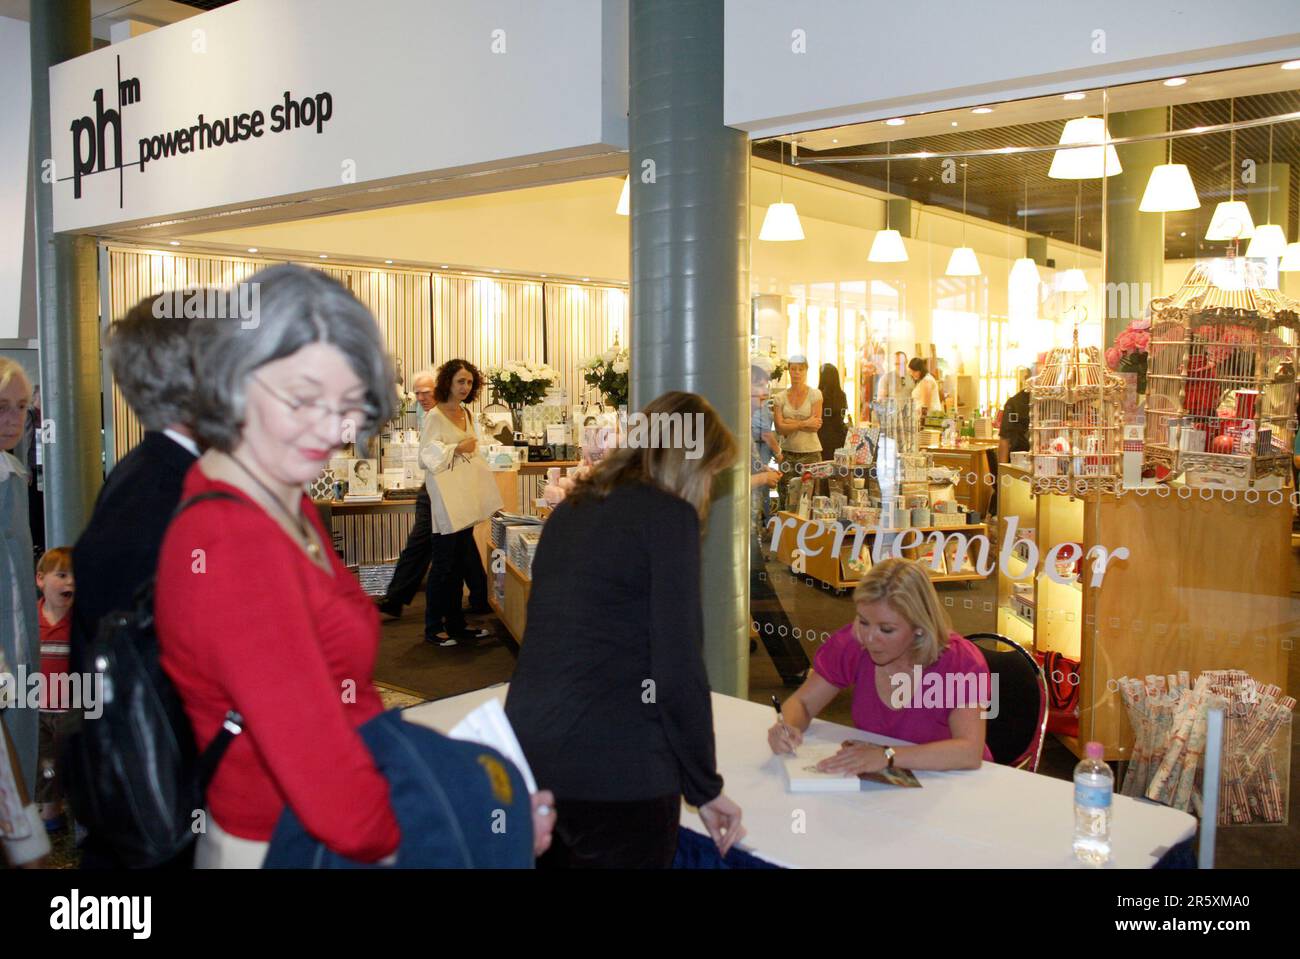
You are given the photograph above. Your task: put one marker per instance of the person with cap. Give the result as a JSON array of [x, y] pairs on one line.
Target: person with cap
[[798, 416]]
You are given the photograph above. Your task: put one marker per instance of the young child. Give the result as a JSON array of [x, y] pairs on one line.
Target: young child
[[54, 612]]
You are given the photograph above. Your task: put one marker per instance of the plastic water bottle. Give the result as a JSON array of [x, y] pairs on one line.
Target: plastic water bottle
[[1094, 785]]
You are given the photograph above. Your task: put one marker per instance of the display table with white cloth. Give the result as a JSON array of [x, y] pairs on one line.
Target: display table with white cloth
[[994, 816]]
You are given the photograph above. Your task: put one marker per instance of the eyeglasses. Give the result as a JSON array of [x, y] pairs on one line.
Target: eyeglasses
[[313, 411]]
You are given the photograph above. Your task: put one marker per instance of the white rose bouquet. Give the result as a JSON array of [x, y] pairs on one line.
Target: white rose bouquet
[[607, 372], [522, 384]]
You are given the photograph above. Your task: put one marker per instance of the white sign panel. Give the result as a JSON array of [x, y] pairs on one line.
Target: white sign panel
[[267, 99]]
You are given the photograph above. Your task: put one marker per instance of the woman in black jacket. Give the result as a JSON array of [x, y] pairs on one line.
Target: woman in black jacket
[[834, 410], [610, 700]]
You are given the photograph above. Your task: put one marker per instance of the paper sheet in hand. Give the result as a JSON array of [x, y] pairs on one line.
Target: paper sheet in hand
[[488, 725]]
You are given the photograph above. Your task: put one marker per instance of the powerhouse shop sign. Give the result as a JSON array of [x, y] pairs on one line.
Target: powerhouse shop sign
[[97, 140]]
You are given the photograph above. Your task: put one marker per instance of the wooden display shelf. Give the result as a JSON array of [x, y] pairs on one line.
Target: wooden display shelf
[[1205, 585], [513, 610]]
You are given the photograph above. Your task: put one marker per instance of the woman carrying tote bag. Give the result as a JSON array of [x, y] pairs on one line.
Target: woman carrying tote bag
[[462, 493]]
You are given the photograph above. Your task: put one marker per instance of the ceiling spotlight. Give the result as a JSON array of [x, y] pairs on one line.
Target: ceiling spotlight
[[443, 267], [982, 110], [324, 256], [1175, 81], [954, 122], [173, 242], [1075, 96], [586, 279], [895, 122], [389, 262], [252, 249], [833, 140]]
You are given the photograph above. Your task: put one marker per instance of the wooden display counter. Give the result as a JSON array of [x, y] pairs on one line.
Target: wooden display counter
[[513, 609], [974, 488], [820, 562], [1205, 584]]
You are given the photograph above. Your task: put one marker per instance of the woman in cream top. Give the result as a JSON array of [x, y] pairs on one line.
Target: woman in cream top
[[798, 416], [450, 433]]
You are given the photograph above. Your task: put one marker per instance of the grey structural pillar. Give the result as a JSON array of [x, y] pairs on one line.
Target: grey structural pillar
[[67, 302], [690, 278], [1135, 241]]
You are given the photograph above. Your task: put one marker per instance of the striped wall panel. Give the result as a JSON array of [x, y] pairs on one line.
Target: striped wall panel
[[373, 538], [582, 321], [425, 318]]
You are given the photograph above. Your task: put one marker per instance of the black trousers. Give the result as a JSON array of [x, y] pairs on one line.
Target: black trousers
[[453, 560], [416, 555], [773, 624], [614, 835]]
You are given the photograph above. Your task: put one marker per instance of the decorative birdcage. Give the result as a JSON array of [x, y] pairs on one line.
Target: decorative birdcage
[[1221, 393], [1076, 422]]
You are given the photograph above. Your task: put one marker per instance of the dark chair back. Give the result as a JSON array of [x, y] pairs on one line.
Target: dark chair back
[[1015, 734]]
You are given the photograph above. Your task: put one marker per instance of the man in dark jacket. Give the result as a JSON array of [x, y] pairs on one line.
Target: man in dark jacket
[[118, 552]]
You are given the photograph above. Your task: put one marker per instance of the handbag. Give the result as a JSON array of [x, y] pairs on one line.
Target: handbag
[[1062, 675], [134, 776], [464, 494]]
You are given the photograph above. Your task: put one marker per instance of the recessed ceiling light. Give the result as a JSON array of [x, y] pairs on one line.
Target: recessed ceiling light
[[496, 271], [544, 276], [252, 249], [388, 261], [586, 279], [895, 122], [954, 122], [173, 242], [1291, 65], [982, 110], [443, 267], [1183, 233], [1175, 81], [1075, 96], [324, 256], [833, 140]]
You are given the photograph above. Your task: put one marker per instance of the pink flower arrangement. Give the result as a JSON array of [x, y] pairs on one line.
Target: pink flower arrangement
[[1136, 338]]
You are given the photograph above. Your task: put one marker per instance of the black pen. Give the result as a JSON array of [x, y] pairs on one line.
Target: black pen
[[776, 704]]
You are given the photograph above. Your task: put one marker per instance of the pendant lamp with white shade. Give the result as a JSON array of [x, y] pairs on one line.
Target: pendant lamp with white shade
[[1231, 219], [1269, 241], [1085, 162], [624, 207], [963, 261], [1025, 271], [1290, 262], [887, 246], [781, 223], [1169, 188]]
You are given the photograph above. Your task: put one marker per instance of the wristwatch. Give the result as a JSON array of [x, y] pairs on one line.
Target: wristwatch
[[889, 757]]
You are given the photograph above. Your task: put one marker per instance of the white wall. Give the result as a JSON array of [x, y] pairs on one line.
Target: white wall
[[868, 59], [419, 88], [15, 146]]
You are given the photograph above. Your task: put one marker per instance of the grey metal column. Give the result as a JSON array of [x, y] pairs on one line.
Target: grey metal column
[[690, 276], [67, 302]]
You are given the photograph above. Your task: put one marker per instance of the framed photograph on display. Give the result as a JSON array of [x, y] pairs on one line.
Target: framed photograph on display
[[497, 425], [363, 478]]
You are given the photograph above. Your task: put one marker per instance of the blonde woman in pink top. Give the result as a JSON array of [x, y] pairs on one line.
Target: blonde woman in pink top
[[913, 679]]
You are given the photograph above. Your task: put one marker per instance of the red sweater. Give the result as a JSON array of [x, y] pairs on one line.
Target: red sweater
[[251, 624], [55, 640]]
